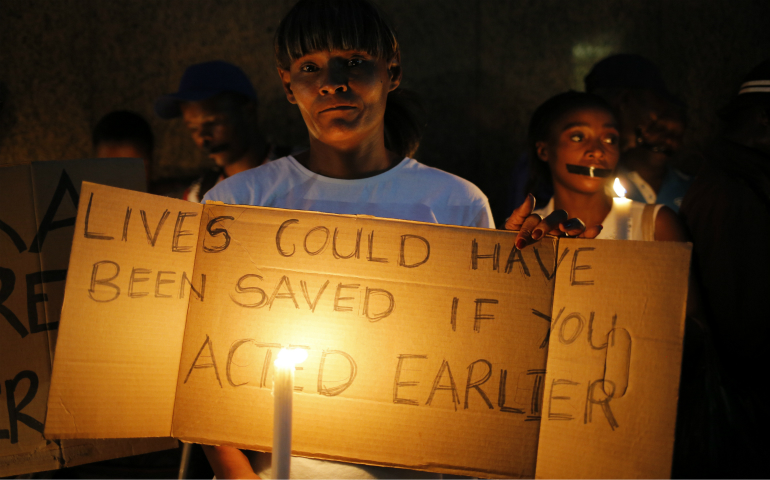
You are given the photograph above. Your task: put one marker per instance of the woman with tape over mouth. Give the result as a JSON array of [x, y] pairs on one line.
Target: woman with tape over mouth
[[574, 140]]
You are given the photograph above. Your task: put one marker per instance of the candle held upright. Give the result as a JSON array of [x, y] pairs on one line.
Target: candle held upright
[[283, 395], [622, 206]]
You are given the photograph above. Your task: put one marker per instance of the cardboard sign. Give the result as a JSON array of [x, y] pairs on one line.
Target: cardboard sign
[[427, 344], [37, 218], [613, 365]]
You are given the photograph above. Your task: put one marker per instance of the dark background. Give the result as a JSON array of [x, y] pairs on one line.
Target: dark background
[[481, 67]]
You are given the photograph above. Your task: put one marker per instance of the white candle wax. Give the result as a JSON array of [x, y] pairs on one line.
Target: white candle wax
[[283, 393], [622, 206]]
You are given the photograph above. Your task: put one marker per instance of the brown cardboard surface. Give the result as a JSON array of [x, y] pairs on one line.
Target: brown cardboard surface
[[593, 425], [56, 186], [23, 345], [37, 202], [71, 453], [80, 452], [365, 423], [116, 368], [383, 386]]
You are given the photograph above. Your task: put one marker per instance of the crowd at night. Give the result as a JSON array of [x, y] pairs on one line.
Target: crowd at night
[[617, 156]]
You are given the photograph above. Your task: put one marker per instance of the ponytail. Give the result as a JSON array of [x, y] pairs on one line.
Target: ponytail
[[404, 122]]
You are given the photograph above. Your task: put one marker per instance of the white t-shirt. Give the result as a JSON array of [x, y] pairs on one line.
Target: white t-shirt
[[408, 191]]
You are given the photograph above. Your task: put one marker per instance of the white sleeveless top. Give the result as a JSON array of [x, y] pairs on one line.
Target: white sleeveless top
[[624, 222]]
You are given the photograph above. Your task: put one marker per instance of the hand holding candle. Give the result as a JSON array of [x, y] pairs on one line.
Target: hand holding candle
[[283, 393]]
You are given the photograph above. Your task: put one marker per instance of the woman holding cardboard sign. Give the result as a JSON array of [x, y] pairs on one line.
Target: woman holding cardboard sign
[[340, 63]]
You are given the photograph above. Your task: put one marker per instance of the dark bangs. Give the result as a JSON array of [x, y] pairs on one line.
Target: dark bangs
[[318, 25], [553, 109]]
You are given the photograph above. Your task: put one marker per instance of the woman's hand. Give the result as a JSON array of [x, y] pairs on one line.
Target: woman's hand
[[533, 227], [228, 462]]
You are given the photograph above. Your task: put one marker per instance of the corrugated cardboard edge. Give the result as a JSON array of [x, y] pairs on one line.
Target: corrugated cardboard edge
[[368, 217], [56, 454], [429, 467], [201, 227], [48, 457], [105, 449]]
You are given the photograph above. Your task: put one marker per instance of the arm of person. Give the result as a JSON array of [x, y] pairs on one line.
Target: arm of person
[[532, 226], [669, 228], [228, 462]]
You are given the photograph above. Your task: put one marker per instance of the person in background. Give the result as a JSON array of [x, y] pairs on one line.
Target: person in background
[[733, 188], [124, 134], [577, 137], [218, 105], [651, 123]]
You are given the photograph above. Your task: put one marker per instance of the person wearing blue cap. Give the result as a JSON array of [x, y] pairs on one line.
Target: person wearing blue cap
[[218, 104]]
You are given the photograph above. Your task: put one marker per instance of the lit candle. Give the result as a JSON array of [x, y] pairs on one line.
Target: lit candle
[[622, 207], [283, 393]]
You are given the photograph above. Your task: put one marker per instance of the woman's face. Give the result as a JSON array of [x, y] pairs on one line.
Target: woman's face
[[342, 94], [587, 137]]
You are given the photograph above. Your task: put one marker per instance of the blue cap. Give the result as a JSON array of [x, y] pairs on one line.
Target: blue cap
[[203, 81]]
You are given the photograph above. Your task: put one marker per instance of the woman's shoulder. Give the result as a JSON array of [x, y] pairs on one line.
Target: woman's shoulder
[[436, 179], [663, 223], [668, 226]]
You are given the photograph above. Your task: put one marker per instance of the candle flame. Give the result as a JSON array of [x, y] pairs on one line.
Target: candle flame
[[289, 357], [619, 190]]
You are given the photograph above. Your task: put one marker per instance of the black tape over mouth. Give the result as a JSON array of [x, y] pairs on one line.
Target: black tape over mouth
[[589, 171]]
